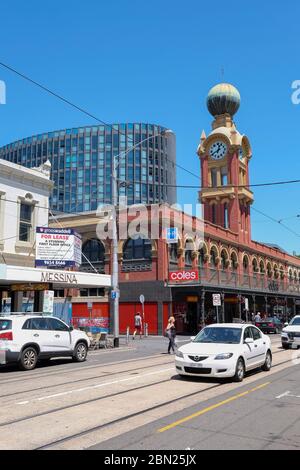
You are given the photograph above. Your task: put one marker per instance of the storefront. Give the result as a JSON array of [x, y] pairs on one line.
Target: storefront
[[16, 280]]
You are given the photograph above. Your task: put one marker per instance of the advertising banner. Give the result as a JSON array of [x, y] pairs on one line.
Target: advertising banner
[[57, 248]]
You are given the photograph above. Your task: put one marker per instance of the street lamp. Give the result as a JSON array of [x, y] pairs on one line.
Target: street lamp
[[115, 266]]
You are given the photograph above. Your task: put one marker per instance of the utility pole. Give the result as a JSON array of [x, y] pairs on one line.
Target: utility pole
[[115, 266]]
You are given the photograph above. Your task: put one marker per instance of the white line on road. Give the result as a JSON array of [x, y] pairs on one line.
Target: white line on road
[[285, 394], [91, 387]]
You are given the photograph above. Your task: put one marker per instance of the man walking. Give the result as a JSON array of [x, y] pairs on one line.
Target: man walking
[[257, 318], [137, 325]]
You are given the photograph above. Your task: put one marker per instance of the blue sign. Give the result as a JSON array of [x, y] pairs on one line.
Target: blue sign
[[114, 294], [172, 235]]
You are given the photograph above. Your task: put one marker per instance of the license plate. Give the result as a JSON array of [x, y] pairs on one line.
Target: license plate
[[199, 366], [264, 324]]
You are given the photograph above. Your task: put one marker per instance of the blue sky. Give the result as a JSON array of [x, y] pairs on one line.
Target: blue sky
[[155, 61]]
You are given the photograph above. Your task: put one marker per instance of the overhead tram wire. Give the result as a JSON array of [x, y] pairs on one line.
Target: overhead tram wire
[[78, 108]]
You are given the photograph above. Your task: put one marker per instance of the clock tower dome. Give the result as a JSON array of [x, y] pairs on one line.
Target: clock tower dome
[[225, 156]]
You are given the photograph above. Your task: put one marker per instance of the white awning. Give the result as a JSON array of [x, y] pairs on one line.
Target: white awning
[[59, 278]]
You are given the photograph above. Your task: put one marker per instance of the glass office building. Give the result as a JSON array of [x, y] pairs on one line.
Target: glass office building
[[81, 160]]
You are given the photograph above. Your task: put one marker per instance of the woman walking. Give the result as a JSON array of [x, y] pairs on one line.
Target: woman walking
[[171, 334]]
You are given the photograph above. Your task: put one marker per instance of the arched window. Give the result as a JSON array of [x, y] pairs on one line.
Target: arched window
[[262, 267], [213, 258], [224, 260], [246, 264], [173, 253], [234, 261], [188, 253], [255, 266], [138, 249], [201, 258], [94, 251], [269, 270]]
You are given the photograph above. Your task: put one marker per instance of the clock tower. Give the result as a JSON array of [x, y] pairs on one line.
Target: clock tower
[[225, 156]]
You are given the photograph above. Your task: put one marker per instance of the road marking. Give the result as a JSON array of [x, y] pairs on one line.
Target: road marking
[[288, 394], [92, 387], [210, 408], [285, 394]]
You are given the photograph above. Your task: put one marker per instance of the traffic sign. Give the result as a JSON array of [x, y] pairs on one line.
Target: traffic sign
[[142, 299], [217, 300], [114, 294], [172, 235]]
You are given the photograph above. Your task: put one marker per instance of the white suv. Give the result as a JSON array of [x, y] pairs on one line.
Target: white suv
[[290, 336], [25, 339]]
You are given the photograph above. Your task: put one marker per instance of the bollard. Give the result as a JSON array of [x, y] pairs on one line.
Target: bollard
[[127, 335], [146, 330]]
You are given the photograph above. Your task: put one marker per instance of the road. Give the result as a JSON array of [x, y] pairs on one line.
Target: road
[[132, 398]]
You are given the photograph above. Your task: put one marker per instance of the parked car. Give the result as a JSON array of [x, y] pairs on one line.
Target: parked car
[[26, 339], [290, 336], [225, 350], [269, 325]]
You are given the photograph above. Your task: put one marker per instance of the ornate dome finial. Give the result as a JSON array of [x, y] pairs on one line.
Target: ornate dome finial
[[223, 99]]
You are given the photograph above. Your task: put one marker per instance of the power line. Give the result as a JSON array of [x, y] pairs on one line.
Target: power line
[[65, 100]]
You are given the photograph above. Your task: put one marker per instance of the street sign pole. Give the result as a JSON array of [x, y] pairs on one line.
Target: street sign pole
[[142, 300]]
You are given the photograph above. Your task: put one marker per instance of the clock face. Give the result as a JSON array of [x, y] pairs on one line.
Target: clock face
[[218, 150]]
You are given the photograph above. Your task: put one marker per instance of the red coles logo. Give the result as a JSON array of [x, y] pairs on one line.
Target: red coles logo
[[183, 276]]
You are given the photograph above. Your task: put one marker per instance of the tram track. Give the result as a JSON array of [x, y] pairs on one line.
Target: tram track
[[86, 379], [25, 376], [105, 374], [133, 415], [113, 395]]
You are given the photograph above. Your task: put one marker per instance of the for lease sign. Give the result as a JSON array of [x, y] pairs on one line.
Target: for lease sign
[[57, 247], [184, 276]]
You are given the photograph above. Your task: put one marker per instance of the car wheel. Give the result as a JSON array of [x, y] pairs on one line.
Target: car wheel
[[29, 358], [80, 352], [268, 362], [239, 371], [285, 346]]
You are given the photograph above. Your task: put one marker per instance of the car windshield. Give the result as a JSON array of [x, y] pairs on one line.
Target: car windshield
[[296, 321], [219, 335], [5, 325]]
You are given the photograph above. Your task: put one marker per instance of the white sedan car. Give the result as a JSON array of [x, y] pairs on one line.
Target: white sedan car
[[225, 350]]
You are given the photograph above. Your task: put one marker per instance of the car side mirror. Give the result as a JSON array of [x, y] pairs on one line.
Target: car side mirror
[[249, 341], [71, 328], [286, 324], [193, 338]]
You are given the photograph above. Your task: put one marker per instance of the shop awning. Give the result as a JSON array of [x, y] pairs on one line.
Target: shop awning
[[59, 278]]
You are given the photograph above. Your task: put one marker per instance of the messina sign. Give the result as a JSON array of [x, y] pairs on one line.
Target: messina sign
[[184, 276], [57, 248]]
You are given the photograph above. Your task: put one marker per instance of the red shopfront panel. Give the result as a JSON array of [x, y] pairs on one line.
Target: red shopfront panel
[[81, 310], [165, 315], [127, 312]]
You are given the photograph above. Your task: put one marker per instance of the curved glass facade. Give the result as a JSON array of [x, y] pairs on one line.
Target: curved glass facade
[[81, 160]]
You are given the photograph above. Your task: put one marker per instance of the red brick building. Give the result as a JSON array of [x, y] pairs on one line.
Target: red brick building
[[227, 261]]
